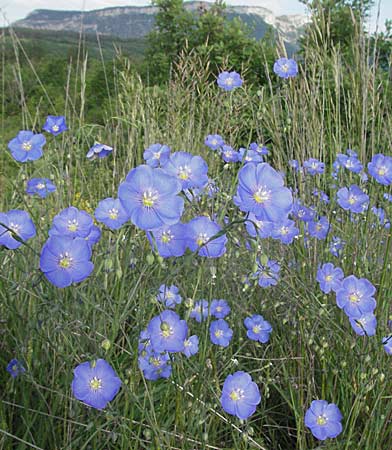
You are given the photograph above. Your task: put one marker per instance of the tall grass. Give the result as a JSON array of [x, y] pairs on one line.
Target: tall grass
[[313, 353]]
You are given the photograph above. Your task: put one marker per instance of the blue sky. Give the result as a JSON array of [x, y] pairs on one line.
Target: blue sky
[[17, 9]]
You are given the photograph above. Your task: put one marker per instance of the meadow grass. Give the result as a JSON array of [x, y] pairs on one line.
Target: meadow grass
[[312, 353]]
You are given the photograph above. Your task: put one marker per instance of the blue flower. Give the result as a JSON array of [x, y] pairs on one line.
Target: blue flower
[[99, 151], [302, 212], [169, 296], [323, 419], [27, 146], [249, 156], [295, 165], [240, 395], [111, 212], [387, 343], [170, 240], [71, 223], [352, 199], [55, 125], [261, 191], [319, 229], [329, 277], [191, 171], [167, 332], [16, 223], [380, 168], [268, 275], [336, 246], [15, 368], [65, 261], [95, 384], [261, 228], [351, 163], [40, 186], [214, 141], [199, 311], [220, 333], [314, 166], [229, 80], [364, 325], [355, 296], [261, 149], [285, 231], [191, 346], [285, 68], [150, 198], [388, 197], [219, 308], [94, 236], [229, 154], [155, 365], [199, 231], [258, 328], [156, 155]]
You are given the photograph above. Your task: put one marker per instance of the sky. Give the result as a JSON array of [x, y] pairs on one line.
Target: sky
[[12, 10]]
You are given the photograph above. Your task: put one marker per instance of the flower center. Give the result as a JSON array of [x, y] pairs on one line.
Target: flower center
[[26, 146], [284, 231], [65, 261], [149, 198], [321, 420], [72, 225], [156, 155], [184, 173], [15, 227], [382, 170], [352, 199], [40, 186], [236, 394], [262, 195], [256, 329], [229, 81], [214, 142], [156, 362], [166, 330], [354, 297], [201, 239], [285, 68], [113, 213], [187, 343], [95, 384], [328, 278], [166, 237], [218, 333], [318, 226], [55, 128], [219, 308]]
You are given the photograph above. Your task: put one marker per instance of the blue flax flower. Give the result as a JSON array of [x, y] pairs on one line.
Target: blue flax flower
[[169, 296], [155, 365], [191, 346], [219, 308], [240, 395], [191, 171], [111, 212], [258, 328], [94, 236], [323, 419], [229, 154], [285, 68], [254, 146], [352, 199], [199, 231], [214, 141], [55, 125], [319, 229], [387, 343], [71, 223], [364, 325], [170, 240], [261, 191], [329, 277], [355, 296], [285, 231], [302, 212], [167, 332], [336, 245], [95, 384], [220, 333], [99, 151], [27, 146], [199, 311], [380, 168], [249, 156], [40, 186], [65, 261], [351, 163], [150, 198], [15, 368], [268, 275], [21, 226], [229, 80], [157, 155], [313, 166], [261, 228]]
